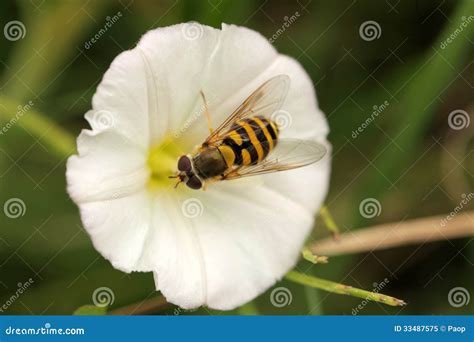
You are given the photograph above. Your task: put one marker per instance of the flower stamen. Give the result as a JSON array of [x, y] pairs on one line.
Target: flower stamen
[[162, 160]]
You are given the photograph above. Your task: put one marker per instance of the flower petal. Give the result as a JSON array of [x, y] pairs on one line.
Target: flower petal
[[300, 116], [227, 65], [174, 254], [242, 61], [234, 71], [225, 246], [121, 101], [307, 186], [241, 242], [177, 57], [118, 228], [107, 166], [252, 240]]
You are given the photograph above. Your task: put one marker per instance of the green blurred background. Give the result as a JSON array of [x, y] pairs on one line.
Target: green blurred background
[[408, 158]]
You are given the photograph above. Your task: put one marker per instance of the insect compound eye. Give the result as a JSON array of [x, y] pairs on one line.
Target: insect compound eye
[[194, 183], [184, 164]]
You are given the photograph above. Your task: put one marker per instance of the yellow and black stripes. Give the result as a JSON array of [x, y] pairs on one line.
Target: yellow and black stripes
[[249, 141]]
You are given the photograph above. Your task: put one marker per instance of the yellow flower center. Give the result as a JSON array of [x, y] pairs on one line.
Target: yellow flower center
[[162, 161]]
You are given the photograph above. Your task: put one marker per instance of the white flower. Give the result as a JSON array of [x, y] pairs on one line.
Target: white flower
[[247, 233]]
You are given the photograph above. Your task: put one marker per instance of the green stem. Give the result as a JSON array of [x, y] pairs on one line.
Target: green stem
[[313, 301], [333, 287], [329, 221], [13, 115]]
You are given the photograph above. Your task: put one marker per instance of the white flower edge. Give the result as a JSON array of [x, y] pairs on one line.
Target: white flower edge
[[249, 232]]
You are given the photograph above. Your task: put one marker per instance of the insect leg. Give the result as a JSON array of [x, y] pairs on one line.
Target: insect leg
[[231, 174], [206, 112]]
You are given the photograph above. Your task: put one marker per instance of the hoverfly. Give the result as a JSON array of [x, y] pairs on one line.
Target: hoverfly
[[247, 143]]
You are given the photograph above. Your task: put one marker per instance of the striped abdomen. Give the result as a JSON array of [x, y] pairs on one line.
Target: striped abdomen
[[249, 141]]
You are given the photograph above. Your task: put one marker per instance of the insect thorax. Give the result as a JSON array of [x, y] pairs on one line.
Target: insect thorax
[[209, 163]]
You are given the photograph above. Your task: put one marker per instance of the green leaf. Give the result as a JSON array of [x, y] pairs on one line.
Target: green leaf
[[59, 140], [39, 70], [418, 102], [313, 258]]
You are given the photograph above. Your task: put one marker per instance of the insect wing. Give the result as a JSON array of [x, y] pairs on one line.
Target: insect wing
[[267, 99], [288, 154]]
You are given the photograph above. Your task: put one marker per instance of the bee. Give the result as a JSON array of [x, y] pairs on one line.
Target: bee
[[247, 143]]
